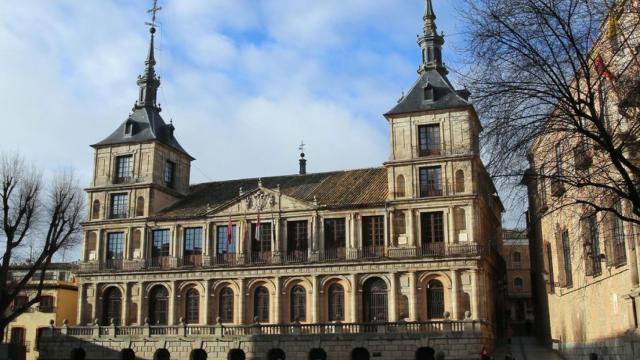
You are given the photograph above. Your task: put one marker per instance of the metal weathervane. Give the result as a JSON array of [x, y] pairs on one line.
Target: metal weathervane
[[153, 11]]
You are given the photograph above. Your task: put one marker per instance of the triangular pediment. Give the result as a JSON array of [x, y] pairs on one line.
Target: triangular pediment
[[261, 200]]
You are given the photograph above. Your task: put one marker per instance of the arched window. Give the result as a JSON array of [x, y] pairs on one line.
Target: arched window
[[127, 354], [261, 304], [95, 210], [399, 223], [192, 306], [460, 181], [198, 354], [90, 246], [317, 354], [140, 206], [159, 306], [298, 304], [518, 283], [375, 300], [435, 300], [225, 305], [516, 257], [400, 187], [162, 354], [276, 354], [336, 302], [111, 306]]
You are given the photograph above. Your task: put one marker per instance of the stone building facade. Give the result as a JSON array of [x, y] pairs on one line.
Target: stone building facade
[[519, 305], [585, 263], [410, 242]]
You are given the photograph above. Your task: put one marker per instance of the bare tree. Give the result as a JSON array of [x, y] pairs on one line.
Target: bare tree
[[560, 77], [46, 214]]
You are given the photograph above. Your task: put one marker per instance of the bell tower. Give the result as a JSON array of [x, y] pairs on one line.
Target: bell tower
[[141, 167]]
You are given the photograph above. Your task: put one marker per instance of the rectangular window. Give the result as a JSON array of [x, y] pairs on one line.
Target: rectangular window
[[119, 206], [432, 224], [566, 252], [193, 241], [558, 159], [593, 242], [46, 304], [430, 181], [334, 233], [225, 246], [373, 231], [429, 140], [297, 238], [169, 172], [115, 246], [161, 243], [261, 242], [619, 247], [124, 169]]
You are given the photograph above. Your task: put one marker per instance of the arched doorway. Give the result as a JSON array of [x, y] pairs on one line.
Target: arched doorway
[[198, 354], [236, 354], [111, 306], [435, 300], [192, 307], [127, 354], [336, 302], [78, 354], [425, 353], [261, 304], [375, 300], [158, 306], [317, 354], [162, 354], [360, 354], [276, 354]]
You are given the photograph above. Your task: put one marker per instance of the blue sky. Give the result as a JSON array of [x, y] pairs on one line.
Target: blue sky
[[243, 80]]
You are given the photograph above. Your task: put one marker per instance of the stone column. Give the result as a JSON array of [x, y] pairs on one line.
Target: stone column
[[204, 319], [413, 297], [276, 302], [241, 306], [353, 298], [315, 292], [81, 304], [172, 304], [475, 302], [126, 305], [393, 296], [454, 295], [141, 304]]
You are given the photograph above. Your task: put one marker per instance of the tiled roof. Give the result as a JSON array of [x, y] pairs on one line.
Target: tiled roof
[[147, 125], [338, 189], [445, 96]]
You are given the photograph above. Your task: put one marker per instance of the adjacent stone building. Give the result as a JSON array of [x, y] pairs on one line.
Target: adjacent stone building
[[585, 262], [411, 242], [59, 303]]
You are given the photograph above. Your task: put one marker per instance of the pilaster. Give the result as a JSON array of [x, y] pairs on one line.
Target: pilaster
[[454, 295], [393, 296], [276, 301]]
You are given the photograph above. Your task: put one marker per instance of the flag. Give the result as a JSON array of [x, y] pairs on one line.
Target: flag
[[601, 67], [257, 234], [612, 29], [229, 232]]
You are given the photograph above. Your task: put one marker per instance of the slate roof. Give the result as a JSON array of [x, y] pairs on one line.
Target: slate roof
[[445, 96], [338, 189], [148, 125]]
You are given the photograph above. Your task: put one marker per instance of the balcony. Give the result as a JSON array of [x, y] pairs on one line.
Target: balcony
[[430, 191], [340, 254]]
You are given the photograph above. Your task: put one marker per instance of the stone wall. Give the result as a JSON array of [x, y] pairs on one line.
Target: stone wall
[[620, 348], [379, 346]]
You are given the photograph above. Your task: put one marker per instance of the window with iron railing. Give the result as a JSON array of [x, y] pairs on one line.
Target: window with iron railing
[[432, 227], [46, 304], [160, 245], [297, 238], [592, 245], [334, 234], [373, 231], [261, 237], [192, 246], [566, 254], [124, 169], [430, 181], [619, 247], [119, 206], [429, 140], [226, 244]]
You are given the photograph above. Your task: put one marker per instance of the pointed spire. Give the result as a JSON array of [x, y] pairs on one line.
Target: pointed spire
[[148, 81], [431, 42]]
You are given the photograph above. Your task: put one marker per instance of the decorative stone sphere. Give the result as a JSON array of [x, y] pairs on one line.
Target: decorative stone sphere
[[467, 314], [446, 315]]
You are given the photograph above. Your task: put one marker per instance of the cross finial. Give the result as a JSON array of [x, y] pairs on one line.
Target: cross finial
[[301, 146], [153, 11]]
